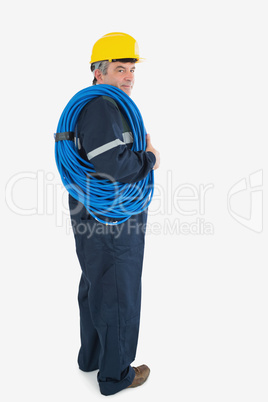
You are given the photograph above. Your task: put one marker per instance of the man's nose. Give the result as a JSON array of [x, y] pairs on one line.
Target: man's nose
[[129, 76]]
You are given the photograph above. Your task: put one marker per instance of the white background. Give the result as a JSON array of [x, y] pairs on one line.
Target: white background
[[203, 95]]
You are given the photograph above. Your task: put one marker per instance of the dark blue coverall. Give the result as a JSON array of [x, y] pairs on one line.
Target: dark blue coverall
[[111, 257]]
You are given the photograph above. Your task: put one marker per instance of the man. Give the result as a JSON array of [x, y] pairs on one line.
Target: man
[[111, 256]]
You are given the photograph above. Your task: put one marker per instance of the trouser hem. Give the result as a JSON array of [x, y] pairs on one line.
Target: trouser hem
[[110, 388]]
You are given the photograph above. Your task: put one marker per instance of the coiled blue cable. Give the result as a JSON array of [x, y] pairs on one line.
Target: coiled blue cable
[[105, 197]]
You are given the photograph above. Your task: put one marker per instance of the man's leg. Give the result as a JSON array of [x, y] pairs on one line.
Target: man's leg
[[88, 358], [121, 290], [111, 266]]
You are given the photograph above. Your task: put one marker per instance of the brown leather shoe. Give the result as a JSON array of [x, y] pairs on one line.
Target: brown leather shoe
[[141, 374]]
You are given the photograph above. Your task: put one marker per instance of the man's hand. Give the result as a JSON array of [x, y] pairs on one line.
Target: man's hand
[[150, 148]]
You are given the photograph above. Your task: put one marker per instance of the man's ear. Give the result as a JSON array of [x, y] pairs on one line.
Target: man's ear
[[98, 76]]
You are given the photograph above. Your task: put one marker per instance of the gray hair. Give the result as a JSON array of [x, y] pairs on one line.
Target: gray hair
[[102, 66]]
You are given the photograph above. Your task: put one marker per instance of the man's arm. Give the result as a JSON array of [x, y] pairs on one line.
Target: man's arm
[[100, 130], [150, 148]]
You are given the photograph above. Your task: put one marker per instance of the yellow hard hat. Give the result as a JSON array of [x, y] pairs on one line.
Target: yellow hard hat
[[115, 45]]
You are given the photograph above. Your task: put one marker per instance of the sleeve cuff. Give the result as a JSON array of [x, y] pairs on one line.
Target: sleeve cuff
[[152, 158]]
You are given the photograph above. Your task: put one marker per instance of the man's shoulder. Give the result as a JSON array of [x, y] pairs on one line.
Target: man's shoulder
[[101, 102], [101, 107], [110, 100]]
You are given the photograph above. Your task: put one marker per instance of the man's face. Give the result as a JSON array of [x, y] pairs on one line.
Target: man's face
[[120, 75]]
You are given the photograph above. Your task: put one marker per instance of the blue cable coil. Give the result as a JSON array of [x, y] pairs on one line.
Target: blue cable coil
[[101, 196]]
